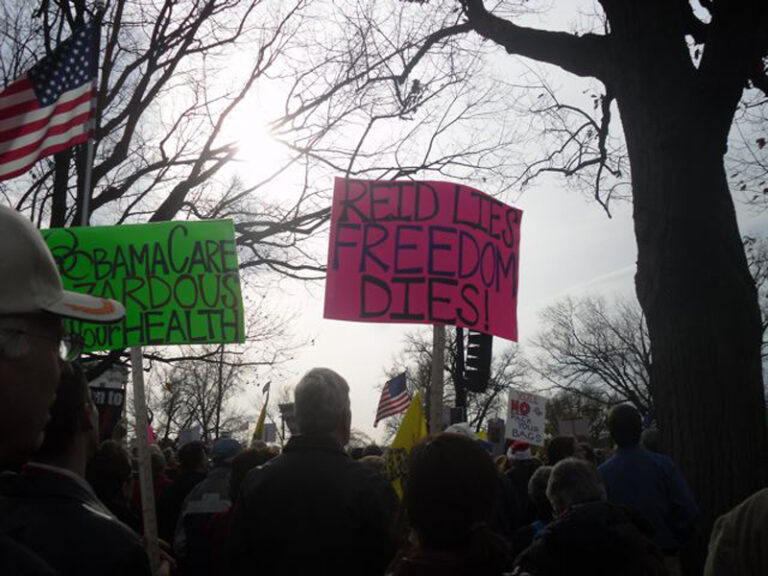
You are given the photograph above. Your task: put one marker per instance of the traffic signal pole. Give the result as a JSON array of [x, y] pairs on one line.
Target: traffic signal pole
[[436, 380], [458, 377]]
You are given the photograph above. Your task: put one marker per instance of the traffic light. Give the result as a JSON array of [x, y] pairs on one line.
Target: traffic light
[[477, 370]]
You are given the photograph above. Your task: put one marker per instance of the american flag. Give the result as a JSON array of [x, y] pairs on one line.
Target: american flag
[[48, 109], [394, 398]]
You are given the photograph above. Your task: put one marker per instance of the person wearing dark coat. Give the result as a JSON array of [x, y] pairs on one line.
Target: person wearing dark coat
[[58, 516], [219, 526], [192, 541], [449, 495], [589, 535], [50, 508], [521, 510], [110, 474], [560, 448], [649, 483], [193, 465], [314, 510], [537, 491]]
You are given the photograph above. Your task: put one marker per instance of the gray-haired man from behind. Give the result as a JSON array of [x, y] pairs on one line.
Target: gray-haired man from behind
[[34, 348], [313, 510]]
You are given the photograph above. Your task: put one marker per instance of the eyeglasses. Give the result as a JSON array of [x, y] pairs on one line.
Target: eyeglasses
[[70, 345]]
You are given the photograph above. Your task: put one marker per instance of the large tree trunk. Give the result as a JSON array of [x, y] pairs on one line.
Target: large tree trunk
[[692, 280], [704, 322]]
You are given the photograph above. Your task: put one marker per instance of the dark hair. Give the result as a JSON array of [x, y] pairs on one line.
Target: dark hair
[[108, 470], [72, 395], [192, 456], [243, 463], [589, 453], [560, 448], [373, 450], [537, 490], [356, 453], [625, 425], [166, 443], [450, 487]]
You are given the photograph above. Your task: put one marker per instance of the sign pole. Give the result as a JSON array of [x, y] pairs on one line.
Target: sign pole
[[139, 399], [145, 467], [93, 122], [86, 207], [436, 380]]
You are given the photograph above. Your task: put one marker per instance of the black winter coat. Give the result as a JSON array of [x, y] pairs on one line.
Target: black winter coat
[[171, 500], [595, 538], [313, 511], [17, 560], [64, 523]]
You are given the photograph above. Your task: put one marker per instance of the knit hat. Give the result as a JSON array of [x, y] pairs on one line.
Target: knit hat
[[225, 449], [519, 451]]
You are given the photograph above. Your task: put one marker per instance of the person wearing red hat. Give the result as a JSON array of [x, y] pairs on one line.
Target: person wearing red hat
[[519, 508], [519, 451]]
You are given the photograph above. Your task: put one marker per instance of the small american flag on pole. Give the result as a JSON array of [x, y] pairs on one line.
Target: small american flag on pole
[[394, 398], [48, 109]]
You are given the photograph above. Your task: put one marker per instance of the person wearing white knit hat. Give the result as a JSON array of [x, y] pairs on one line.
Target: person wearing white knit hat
[[34, 345]]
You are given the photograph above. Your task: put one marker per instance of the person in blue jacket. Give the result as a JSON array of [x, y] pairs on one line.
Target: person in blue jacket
[[649, 483]]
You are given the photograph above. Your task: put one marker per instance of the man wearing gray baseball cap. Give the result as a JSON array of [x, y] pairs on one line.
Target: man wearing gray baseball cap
[[34, 345]]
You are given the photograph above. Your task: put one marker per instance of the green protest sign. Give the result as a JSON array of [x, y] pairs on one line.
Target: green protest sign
[[178, 281]]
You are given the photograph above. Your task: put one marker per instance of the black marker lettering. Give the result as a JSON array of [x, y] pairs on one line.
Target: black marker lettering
[[184, 263], [433, 299], [406, 313], [374, 282], [366, 253]]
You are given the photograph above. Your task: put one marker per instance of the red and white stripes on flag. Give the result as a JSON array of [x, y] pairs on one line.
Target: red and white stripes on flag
[[394, 398], [49, 108]]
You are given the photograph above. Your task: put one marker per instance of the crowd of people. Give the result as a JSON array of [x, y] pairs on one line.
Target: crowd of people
[[70, 505]]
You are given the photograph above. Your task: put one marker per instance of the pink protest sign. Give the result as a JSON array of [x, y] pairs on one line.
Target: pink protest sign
[[423, 252]]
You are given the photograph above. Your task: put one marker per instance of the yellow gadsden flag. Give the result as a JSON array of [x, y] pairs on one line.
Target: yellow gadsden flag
[[412, 430]]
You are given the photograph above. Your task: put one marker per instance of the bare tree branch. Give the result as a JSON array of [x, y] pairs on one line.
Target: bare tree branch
[[583, 56]]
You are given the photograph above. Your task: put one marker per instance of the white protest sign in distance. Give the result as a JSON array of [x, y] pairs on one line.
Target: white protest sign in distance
[[526, 417]]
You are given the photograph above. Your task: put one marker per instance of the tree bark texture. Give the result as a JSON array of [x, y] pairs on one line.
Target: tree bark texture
[[703, 320]]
